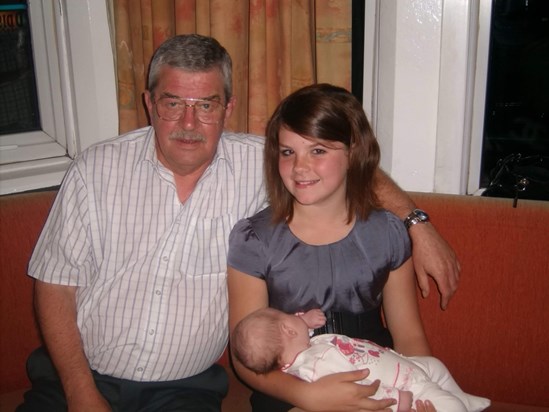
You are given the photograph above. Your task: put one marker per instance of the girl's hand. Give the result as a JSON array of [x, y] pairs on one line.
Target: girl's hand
[[422, 406], [340, 393]]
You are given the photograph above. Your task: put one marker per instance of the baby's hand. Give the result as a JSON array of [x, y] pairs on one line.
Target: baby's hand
[[314, 318]]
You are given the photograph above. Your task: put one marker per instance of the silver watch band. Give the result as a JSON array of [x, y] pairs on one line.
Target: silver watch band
[[417, 216]]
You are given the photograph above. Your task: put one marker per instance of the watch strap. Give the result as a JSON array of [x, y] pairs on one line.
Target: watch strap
[[415, 217]]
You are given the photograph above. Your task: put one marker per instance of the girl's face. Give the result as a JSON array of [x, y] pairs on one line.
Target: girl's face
[[314, 171]]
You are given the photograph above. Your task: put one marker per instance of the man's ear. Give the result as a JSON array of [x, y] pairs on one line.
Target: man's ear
[[231, 104], [148, 98]]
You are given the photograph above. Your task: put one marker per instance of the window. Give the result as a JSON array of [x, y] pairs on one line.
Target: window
[[516, 116], [510, 106], [18, 97], [76, 94], [446, 99], [47, 140]]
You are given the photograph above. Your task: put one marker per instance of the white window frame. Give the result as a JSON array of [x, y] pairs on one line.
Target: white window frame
[[76, 86], [479, 84], [425, 66]]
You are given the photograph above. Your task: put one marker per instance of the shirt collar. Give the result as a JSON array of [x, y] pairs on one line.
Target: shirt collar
[[222, 153], [148, 153]]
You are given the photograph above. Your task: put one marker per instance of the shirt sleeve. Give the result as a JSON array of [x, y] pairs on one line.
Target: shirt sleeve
[[399, 240], [63, 253], [246, 251]]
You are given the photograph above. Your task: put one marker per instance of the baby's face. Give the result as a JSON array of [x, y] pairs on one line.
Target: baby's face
[[302, 339], [295, 337]]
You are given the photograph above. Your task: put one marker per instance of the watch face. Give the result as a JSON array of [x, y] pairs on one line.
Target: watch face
[[422, 215]]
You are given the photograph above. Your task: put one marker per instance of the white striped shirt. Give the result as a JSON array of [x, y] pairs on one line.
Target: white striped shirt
[[150, 271]]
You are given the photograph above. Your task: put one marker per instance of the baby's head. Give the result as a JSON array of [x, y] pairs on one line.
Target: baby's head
[[257, 340], [267, 339]]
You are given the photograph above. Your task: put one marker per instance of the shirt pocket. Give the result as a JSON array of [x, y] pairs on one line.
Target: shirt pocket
[[206, 246]]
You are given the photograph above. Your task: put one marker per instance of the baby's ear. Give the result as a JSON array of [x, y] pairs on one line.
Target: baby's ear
[[287, 330]]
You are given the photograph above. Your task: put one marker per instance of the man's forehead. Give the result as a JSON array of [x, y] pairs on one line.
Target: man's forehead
[[168, 94], [175, 82]]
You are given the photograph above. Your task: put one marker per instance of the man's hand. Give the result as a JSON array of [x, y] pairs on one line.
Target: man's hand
[[434, 257], [88, 401], [340, 393]]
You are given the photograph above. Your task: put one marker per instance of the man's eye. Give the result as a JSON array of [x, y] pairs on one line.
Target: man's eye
[[207, 106], [172, 104]]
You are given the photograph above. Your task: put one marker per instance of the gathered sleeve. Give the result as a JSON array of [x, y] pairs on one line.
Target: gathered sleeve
[[399, 241], [247, 253]]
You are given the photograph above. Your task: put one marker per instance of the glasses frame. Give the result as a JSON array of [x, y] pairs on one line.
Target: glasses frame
[[186, 105]]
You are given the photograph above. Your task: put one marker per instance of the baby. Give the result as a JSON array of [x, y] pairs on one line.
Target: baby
[[269, 339]]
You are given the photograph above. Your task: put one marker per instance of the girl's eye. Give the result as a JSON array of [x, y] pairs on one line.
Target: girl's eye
[[319, 151], [286, 152]]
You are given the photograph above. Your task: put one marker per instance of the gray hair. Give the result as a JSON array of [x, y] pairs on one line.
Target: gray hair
[[192, 53]]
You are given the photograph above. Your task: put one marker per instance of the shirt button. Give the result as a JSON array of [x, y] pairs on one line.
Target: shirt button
[[140, 369], [158, 292], [165, 258], [151, 332]]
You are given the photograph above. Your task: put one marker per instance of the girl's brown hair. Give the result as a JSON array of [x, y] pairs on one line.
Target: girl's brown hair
[[329, 113]]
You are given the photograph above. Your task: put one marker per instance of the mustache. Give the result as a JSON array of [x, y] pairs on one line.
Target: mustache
[[188, 136]]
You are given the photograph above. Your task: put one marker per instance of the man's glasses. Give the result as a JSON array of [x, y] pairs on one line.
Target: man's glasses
[[206, 111]]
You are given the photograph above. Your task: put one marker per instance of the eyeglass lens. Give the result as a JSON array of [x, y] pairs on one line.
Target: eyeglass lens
[[206, 111]]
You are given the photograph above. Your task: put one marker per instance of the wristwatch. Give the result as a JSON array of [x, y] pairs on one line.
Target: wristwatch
[[417, 216]]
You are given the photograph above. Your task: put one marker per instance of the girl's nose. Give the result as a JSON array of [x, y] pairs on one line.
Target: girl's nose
[[301, 163]]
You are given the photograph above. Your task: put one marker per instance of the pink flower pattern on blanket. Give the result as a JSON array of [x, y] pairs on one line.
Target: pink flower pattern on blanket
[[357, 352]]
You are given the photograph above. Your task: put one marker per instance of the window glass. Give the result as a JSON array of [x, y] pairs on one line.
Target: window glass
[[516, 116], [18, 98]]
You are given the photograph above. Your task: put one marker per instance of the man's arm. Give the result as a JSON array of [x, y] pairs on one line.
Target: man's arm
[[432, 255], [56, 312]]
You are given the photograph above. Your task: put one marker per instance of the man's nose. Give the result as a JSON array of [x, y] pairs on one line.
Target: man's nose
[[188, 119]]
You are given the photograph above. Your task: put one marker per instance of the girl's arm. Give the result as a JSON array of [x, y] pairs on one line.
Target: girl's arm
[[401, 310], [333, 393]]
